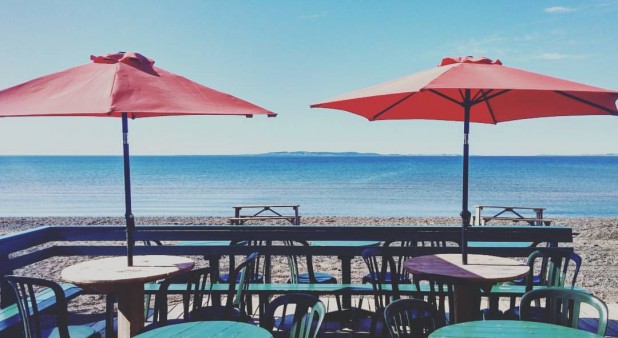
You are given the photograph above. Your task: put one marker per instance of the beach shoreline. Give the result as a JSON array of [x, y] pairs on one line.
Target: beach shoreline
[[596, 241]]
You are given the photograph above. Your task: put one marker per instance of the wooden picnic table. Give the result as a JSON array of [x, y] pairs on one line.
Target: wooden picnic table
[[265, 213], [508, 213]]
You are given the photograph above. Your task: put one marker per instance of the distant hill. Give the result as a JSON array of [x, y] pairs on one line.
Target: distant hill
[[319, 153]]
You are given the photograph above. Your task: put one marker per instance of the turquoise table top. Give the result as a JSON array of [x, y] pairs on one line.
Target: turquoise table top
[[211, 329], [508, 328], [345, 243], [499, 244]]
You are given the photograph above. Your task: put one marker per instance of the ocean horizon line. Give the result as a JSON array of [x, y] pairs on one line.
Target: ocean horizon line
[[309, 153]]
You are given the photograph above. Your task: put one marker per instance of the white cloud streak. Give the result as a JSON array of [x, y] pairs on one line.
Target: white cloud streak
[[557, 56], [559, 10]]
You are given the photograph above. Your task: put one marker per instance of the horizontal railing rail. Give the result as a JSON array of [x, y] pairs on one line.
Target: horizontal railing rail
[[30, 246]]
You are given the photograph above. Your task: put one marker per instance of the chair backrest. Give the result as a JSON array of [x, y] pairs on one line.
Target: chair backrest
[[438, 290], [260, 267], [380, 268], [238, 295], [562, 307], [294, 262], [25, 292], [300, 315], [411, 318], [555, 266], [196, 283]]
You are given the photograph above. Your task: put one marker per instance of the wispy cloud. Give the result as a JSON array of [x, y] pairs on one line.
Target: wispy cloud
[[557, 56], [313, 16], [559, 10], [485, 46]]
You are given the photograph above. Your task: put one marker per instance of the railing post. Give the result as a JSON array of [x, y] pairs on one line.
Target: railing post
[[6, 295]]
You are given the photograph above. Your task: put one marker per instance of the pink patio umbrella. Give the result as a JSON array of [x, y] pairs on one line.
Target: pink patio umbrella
[[474, 89], [125, 85]]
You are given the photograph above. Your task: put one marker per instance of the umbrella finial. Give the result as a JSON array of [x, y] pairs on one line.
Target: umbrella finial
[[469, 59], [132, 59]]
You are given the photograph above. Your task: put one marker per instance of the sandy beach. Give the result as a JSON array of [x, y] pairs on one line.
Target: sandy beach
[[596, 241]]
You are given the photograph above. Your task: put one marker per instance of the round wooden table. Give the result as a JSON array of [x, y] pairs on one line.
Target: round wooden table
[[212, 329], [481, 272], [113, 276], [508, 328]]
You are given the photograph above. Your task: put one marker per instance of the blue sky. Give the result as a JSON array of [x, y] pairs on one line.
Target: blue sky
[[285, 55]]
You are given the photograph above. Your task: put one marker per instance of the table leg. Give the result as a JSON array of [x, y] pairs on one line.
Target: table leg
[[346, 278], [467, 303], [130, 310], [214, 265]]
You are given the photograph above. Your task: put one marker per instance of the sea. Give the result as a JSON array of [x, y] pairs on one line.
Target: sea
[[323, 184]]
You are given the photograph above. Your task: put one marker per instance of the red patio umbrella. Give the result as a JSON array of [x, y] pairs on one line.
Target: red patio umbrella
[[125, 85], [474, 89]]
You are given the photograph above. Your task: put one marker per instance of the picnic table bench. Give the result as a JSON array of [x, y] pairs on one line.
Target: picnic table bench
[[514, 214], [265, 213]]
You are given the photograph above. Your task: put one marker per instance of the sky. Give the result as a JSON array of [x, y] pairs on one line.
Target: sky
[[286, 55]]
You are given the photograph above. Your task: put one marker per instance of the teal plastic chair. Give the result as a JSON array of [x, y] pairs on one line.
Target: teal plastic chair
[[562, 307], [411, 318], [196, 284], [439, 293], [381, 267], [311, 276], [237, 304], [294, 315], [549, 267], [24, 289]]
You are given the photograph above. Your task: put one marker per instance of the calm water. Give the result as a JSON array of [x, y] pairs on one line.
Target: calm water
[[322, 185]]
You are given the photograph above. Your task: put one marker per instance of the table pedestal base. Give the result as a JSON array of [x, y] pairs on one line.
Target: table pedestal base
[[130, 310], [467, 298]]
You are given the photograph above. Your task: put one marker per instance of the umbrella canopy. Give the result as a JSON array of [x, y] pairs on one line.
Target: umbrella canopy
[[125, 85], [475, 89]]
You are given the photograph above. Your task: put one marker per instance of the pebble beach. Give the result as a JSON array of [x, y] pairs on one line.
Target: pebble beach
[[596, 241]]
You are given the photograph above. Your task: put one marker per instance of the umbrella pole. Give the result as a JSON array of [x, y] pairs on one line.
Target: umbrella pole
[[465, 213], [130, 220]]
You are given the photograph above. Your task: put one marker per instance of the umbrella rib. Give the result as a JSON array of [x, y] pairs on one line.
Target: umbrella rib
[[446, 96], [479, 93], [491, 111], [489, 97], [571, 96], [392, 106]]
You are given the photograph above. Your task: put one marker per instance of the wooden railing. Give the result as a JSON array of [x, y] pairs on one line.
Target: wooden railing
[[27, 247]]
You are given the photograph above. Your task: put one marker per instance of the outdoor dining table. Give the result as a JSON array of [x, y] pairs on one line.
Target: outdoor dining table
[[213, 329], [481, 272], [508, 328], [113, 276]]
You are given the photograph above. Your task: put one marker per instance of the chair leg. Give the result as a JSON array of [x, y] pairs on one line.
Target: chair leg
[[338, 300], [110, 300]]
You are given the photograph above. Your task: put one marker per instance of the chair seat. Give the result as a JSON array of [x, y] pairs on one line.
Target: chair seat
[[320, 278], [522, 281], [225, 278], [387, 279], [75, 331]]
